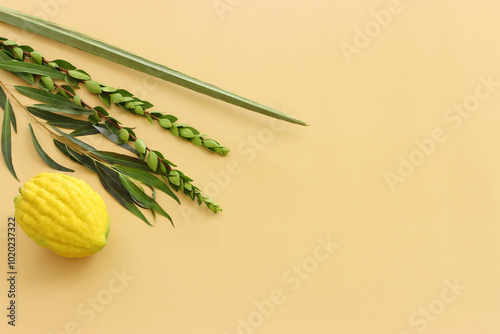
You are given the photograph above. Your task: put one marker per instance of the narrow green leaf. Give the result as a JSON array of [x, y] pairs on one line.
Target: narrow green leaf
[[25, 76], [86, 130], [6, 138], [18, 66], [65, 109], [113, 137], [122, 160], [64, 149], [147, 178], [88, 44], [142, 197], [43, 96], [45, 157], [56, 119], [80, 143], [3, 100], [110, 180], [82, 159]]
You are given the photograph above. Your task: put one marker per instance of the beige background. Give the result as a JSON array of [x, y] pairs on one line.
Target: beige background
[[418, 256]]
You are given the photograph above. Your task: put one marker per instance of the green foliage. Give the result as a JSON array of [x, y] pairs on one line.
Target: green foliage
[[125, 177]]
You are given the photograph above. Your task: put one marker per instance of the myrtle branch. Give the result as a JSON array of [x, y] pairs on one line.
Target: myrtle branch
[[108, 95]]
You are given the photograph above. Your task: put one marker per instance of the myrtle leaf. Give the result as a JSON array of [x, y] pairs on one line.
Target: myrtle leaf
[[78, 74], [64, 64], [106, 99], [152, 160], [93, 86], [113, 137]]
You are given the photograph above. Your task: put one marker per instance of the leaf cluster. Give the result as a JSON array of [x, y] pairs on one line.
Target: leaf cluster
[[132, 181], [62, 69]]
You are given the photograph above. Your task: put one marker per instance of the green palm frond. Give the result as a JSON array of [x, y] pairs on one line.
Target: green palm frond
[[99, 48]]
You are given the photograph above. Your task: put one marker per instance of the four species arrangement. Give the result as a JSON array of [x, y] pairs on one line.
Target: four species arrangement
[[131, 179]]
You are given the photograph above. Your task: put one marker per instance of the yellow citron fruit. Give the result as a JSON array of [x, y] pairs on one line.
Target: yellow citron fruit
[[62, 213]]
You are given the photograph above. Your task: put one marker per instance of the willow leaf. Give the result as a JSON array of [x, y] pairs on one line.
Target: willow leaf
[[122, 160], [81, 159], [6, 138], [113, 137], [110, 180], [45, 157], [65, 109], [141, 197], [64, 149], [86, 130], [57, 120], [47, 97], [78, 142], [3, 100], [148, 179], [17, 66], [101, 49]]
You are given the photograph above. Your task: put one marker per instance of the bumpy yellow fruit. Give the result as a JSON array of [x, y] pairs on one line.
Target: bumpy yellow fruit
[[62, 213]]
